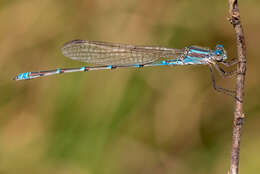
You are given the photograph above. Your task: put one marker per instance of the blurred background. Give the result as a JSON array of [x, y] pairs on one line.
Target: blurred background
[[150, 120]]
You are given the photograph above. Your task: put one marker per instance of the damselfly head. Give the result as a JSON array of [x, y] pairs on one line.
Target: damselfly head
[[220, 53]]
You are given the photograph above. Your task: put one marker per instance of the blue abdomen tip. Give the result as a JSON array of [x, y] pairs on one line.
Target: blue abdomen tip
[[23, 76], [164, 62], [83, 68]]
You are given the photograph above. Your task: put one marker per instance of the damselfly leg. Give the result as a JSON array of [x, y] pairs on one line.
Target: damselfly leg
[[223, 74]]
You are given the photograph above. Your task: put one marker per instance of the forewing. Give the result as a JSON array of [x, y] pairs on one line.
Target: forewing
[[105, 53]]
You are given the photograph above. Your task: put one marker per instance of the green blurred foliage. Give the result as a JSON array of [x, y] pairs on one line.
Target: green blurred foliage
[[151, 120]]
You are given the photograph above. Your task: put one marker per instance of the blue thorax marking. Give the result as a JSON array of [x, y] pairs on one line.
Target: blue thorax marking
[[196, 55], [203, 52]]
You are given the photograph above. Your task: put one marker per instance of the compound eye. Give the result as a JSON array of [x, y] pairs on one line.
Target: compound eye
[[218, 52], [219, 49]]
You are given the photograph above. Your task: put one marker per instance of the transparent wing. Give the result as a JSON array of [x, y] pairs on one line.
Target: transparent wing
[[105, 53]]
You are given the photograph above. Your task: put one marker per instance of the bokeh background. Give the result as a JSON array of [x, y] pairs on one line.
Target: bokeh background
[[151, 120]]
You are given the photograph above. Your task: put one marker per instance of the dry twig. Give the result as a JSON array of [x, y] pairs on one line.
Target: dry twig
[[241, 69]]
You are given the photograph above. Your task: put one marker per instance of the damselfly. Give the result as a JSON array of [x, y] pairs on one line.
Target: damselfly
[[111, 55]]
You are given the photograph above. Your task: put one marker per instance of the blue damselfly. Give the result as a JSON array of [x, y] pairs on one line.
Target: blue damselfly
[[111, 55]]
